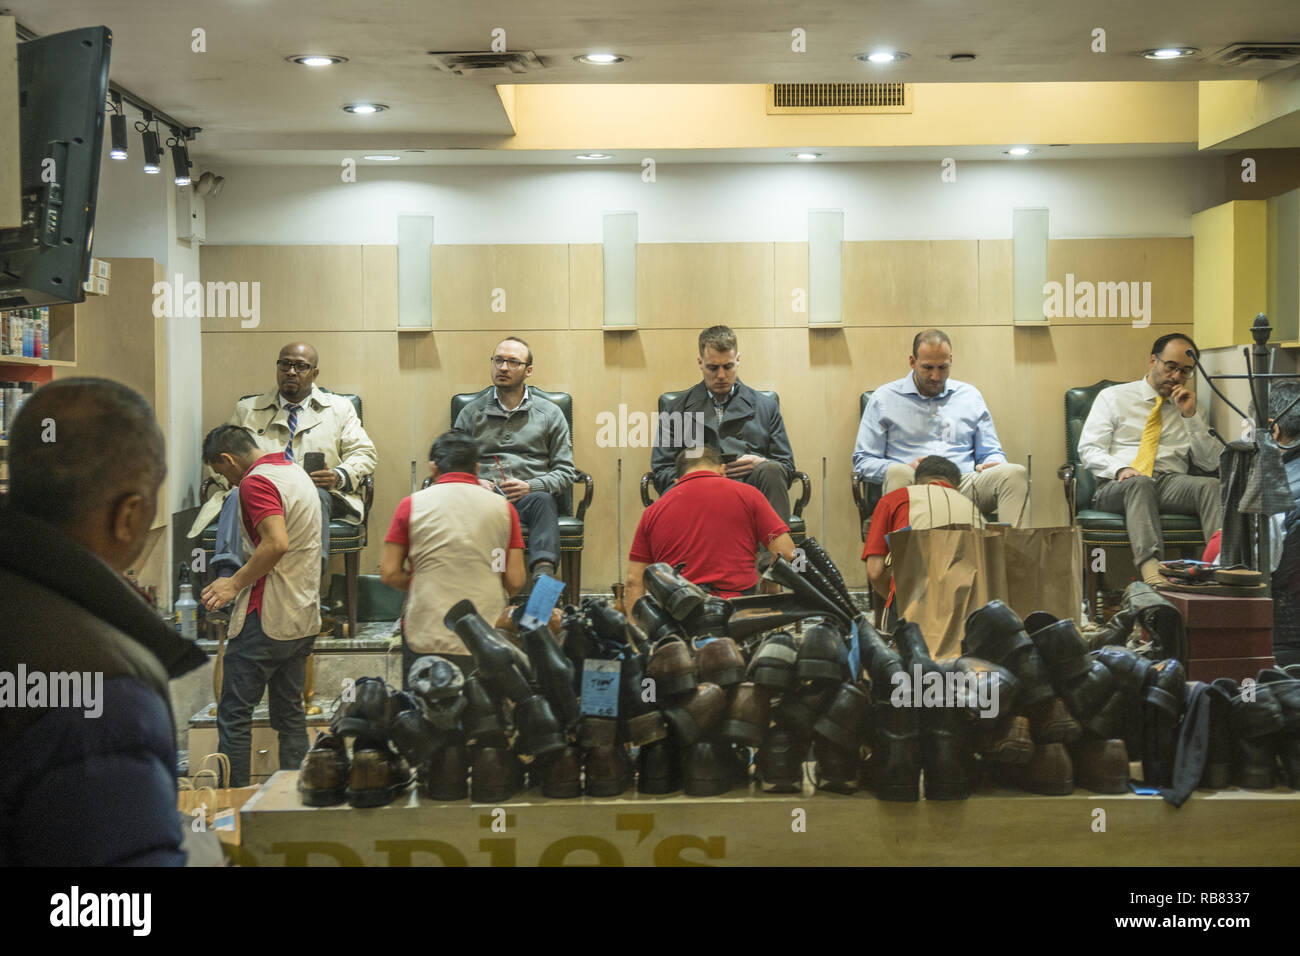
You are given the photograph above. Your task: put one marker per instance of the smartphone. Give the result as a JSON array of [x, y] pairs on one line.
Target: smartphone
[[313, 461], [729, 457]]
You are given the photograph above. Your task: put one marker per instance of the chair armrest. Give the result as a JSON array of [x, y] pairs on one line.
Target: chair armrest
[[647, 482], [1066, 473], [583, 478], [367, 497], [807, 492]]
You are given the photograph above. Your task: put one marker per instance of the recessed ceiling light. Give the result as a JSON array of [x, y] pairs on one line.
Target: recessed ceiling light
[[316, 59], [601, 59], [593, 156], [1170, 52], [1018, 151], [806, 156], [961, 57], [364, 108], [382, 158], [882, 56]]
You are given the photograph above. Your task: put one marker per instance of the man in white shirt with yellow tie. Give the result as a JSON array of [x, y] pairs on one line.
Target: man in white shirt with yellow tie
[[1139, 441]]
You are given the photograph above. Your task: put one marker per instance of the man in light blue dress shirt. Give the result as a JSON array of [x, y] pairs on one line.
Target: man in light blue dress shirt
[[925, 413]]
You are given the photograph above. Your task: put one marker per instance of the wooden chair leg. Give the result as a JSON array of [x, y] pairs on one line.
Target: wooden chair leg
[[351, 567], [571, 562]]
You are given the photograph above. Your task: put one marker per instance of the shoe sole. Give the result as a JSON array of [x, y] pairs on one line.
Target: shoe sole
[[562, 793], [910, 793], [707, 788], [323, 798], [447, 796], [368, 799], [657, 787], [606, 789], [1106, 784]]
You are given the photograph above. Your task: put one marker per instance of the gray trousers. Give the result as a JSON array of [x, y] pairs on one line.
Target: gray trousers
[[769, 478], [1142, 500]]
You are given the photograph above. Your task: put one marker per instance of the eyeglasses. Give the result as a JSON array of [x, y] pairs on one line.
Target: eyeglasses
[[510, 363], [1173, 368], [302, 368]]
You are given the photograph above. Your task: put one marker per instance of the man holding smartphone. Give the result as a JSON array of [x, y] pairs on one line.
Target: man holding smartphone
[[314, 428]]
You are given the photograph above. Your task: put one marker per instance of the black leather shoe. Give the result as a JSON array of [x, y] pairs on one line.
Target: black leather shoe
[[820, 560], [780, 571], [709, 619], [692, 717], [372, 709], [1165, 698], [657, 623], [996, 634], [822, 656], [773, 665], [676, 595], [499, 662], [482, 718], [539, 732], [1286, 689], [561, 773], [495, 775], [747, 717], [894, 769], [659, 768], [1256, 725], [707, 770], [412, 734], [845, 720], [780, 761], [640, 721], [837, 769], [799, 711], [446, 777], [554, 674], [1086, 685]]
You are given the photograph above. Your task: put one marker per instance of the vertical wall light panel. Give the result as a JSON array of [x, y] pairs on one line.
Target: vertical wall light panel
[[1028, 265], [620, 235], [415, 272], [825, 267]]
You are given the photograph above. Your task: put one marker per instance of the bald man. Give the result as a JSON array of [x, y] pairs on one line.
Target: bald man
[[297, 418], [88, 753]]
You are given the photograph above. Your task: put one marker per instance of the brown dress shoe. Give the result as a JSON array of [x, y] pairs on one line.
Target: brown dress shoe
[[1051, 723], [377, 775], [323, 778], [1101, 765], [1050, 771], [495, 775], [562, 774], [1005, 740], [609, 771], [690, 719], [747, 716], [719, 661], [672, 668]]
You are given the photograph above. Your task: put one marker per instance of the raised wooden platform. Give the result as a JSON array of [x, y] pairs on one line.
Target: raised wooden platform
[[999, 828]]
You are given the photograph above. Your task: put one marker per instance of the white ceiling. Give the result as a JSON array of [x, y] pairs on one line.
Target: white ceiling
[[254, 105]]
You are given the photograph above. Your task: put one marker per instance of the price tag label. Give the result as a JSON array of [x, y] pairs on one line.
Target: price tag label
[[600, 680], [546, 591]]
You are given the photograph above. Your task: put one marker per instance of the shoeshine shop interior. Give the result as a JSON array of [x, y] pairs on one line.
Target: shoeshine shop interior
[[628, 419]]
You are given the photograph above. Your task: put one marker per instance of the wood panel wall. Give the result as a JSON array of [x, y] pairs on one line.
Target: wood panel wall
[[343, 300]]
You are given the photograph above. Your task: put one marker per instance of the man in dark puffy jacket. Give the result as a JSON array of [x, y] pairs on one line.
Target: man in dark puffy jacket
[[87, 746]]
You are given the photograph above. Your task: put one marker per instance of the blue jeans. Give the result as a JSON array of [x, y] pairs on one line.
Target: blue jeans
[[253, 663]]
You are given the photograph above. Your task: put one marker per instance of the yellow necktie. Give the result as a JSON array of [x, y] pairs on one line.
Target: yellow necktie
[[1145, 462]]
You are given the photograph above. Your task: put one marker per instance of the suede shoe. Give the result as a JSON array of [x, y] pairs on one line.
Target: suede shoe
[[609, 771], [377, 774], [773, 665], [718, 661], [659, 768], [323, 778], [747, 716], [692, 717], [780, 761]]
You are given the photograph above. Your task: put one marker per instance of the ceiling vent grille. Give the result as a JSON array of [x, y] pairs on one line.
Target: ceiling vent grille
[[810, 98], [1259, 54], [474, 64]]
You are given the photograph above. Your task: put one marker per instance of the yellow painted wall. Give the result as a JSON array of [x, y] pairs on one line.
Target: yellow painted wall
[[1230, 263]]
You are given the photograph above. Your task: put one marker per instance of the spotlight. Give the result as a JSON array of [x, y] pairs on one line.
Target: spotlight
[[149, 138], [317, 59], [364, 108], [1170, 53], [601, 59], [117, 124], [180, 157]]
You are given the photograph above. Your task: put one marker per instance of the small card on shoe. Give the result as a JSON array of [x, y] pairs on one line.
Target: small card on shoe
[[600, 683], [546, 591]]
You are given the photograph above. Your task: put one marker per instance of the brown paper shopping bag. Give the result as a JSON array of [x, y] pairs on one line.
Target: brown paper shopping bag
[[942, 575]]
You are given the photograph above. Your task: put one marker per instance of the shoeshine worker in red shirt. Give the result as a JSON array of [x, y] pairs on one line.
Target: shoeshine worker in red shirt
[[710, 525], [932, 502]]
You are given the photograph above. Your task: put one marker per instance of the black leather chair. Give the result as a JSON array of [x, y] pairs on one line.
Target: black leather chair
[[346, 538], [1105, 529], [571, 523], [798, 528]]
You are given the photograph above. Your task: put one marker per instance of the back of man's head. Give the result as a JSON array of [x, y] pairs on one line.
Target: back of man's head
[[702, 456], [937, 468], [229, 440], [454, 451], [79, 444], [1281, 395]]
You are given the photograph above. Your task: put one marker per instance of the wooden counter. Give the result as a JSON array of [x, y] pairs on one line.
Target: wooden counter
[[999, 828]]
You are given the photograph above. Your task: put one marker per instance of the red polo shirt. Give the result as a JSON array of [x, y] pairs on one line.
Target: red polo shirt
[[711, 523], [258, 500]]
